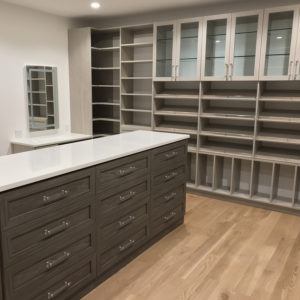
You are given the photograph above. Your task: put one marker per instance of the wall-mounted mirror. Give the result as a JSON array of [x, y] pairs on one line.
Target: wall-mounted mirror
[[42, 97]]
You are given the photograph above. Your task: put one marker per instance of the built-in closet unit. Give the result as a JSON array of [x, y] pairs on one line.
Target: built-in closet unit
[[230, 81]]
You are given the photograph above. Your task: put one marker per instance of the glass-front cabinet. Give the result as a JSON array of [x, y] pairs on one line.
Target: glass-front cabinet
[[246, 31], [297, 56], [177, 50], [279, 43], [215, 47]]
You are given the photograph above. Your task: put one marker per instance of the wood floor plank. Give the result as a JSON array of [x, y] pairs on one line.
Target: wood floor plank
[[224, 251]]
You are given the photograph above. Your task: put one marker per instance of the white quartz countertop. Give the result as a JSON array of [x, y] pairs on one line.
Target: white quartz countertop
[[50, 139], [28, 167]]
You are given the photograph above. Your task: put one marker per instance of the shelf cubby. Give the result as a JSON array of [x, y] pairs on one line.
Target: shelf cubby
[[283, 184], [106, 77], [241, 177], [104, 128], [107, 38], [206, 170], [136, 35], [222, 174], [136, 71], [262, 181], [136, 87], [106, 112], [191, 165], [136, 102], [106, 59], [106, 95], [137, 119], [176, 90], [192, 143]]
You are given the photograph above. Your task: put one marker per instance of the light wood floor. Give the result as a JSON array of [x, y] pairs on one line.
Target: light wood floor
[[224, 251]]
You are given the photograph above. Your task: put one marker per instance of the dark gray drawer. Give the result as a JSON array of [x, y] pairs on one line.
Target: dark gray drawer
[[41, 238], [114, 174], [162, 182], [116, 231], [167, 200], [169, 156], [39, 199], [125, 200], [127, 246], [69, 282], [167, 219], [24, 277]]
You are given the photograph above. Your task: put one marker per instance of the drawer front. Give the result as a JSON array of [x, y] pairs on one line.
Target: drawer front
[[113, 174], [67, 283], [124, 248], [166, 220], [25, 277], [130, 197], [169, 156], [39, 237], [115, 232], [39, 199], [166, 201], [164, 181]]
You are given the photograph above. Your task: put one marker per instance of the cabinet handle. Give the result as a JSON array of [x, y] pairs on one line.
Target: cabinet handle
[[290, 69], [124, 172], [55, 197], [127, 197], [226, 71], [52, 295], [171, 155], [51, 263], [296, 69], [170, 176], [169, 217], [170, 196], [60, 228], [127, 245], [126, 222]]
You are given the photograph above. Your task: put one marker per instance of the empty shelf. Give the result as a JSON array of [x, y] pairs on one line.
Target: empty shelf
[[106, 85], [279, 136], [229, 148], [127, 127], [140, 61], [228, 113], [280, 116], [178, 111], [136, 94], [178, 94], [137, 44], [182, 127], [280, 96], [105, 68], [240, 132], [105, 48], [283, 155], [230, 95], [106, 103], [136, 78], [106, 119], [137, 110]]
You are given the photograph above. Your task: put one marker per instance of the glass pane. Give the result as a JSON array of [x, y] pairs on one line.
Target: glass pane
[[188, 50], [215, 48], [164, 51], [42, 97], [279, 43], [245, 46]]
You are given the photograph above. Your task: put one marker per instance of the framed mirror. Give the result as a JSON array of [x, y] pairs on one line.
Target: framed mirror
[[42, 97]]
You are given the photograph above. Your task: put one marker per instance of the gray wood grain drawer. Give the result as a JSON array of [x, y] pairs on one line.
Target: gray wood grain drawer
[[41, 238], [129, 197], [66, 284], [115, 232], [169, 156], [39, 199], [167, 219], [26, 276], [116, 173], [124, 248], [166, 179]]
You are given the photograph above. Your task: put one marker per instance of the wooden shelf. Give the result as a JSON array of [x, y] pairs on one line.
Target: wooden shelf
[[137, 45], [141, 61], [240, 132], [136, 78], [239, 95], [280, 119], [132, 127], [178, 94], [177, 111], [107, 103], [228, 113], [177, 127], [106, 68], [106, 119], [136, 94], [106, 85], [278, 155], [279, 136], [137, 110], [105, 48], [280, 96]]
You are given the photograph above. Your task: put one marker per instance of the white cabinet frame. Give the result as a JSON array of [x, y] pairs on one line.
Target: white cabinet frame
[[260, 14], [297, 55], [291, 66], [157, 78], [227, 48]]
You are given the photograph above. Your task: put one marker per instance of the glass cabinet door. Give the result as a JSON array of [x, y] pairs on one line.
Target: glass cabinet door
[[280, 36], [297, 60], [245, 46], [216, 48], [188, 59], [164, 59]]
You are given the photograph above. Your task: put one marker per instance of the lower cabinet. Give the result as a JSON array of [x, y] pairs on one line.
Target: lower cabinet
[[86, 225]]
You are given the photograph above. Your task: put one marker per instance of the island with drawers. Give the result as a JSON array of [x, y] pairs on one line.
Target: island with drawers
[[73, 215]]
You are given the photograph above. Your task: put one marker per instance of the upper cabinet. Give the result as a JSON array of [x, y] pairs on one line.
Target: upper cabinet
[[297, 56], [279, 57], [177, 50], [231, 46]]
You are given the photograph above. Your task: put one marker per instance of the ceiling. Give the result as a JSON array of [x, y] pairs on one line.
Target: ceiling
[[109, 8]]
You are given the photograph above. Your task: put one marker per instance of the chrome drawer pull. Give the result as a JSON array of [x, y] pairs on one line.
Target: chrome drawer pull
[[60, 228], [170, 176], [53, 198], [127, 245], [169, 217], [53, 263], [170, 196], [127, 197], [52, 295], [171, 155], [126, 222], [124, 172]]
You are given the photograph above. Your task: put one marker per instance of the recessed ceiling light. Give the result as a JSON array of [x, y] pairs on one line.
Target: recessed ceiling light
[[218, 41], [95, 5], [279, 37]]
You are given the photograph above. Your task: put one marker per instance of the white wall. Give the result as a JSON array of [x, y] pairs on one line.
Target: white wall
[[29, 37]]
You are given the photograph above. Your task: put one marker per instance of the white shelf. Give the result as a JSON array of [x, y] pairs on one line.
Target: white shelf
[[178, 94], [141, 61], [137, 45], [105, 48], [106, 119]]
